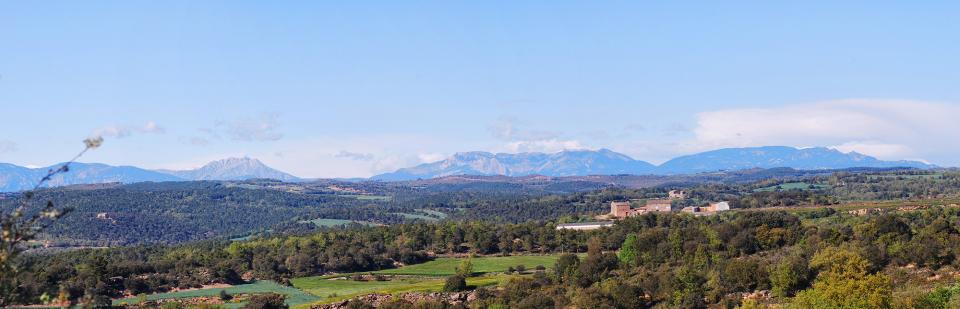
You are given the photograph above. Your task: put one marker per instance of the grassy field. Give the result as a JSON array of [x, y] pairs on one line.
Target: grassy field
[[426, 277], [866, 205], [329, 290], [334, 222], [447, 266], [793, 186], [439, 214], [423, 214], [368, 197], [416, 216], [294, 296], [929, 176]]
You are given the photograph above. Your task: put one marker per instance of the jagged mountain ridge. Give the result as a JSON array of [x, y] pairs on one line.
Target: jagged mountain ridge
[[606, 162], [565, 163], [232, 169]]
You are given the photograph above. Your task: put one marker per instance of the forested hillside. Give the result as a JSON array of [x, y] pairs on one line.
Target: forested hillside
[[674, 260], [183, 211], [175, 212]]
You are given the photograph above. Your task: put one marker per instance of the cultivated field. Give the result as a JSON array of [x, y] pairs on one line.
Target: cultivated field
[[294, 296], [416, 216], [335, 222], [447, 266], [334, 289], [426, 277], [793, 186], [434, 212]]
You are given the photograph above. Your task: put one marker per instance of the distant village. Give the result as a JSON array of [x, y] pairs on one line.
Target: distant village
[[625, 209]]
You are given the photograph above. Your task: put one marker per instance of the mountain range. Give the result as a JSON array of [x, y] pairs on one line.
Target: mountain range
[[565, 163], [606, 162], [17, 178]]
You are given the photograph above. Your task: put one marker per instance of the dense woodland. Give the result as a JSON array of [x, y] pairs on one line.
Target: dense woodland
[[177, 212]]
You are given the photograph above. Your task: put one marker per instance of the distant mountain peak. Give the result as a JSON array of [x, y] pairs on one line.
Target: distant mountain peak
[[235, 162], [234, 168]]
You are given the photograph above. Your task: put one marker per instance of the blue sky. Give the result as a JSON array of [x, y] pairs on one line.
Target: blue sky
[[353, 89]]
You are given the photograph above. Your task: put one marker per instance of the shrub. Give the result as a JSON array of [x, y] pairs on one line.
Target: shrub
[[455, 284], [224, 296], [266, 301]]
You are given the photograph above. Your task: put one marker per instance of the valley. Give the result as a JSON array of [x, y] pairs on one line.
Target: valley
[[327, 242]]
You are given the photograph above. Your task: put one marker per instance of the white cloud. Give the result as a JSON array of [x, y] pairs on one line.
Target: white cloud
[[198, 141], [881, 150], [152, 127], [547, 145], [504, 128], [888, 129], [121, 131], [260, 128], [354, 155], [515, 139], [7, 146], [330, 155], [431, 157]]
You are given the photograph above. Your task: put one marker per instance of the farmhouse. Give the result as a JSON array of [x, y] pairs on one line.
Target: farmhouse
[[584, 226], [677, 194], [707, 210], [624, 210], [658, 205], [719, 206]]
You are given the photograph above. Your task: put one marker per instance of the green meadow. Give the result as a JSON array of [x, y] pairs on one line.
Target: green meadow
[[481, 265], [333, 289], [793, 186], [334, 222], [425, 277], [294, 296]]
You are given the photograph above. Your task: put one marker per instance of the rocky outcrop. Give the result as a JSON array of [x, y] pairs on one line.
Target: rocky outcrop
[[376, 300]]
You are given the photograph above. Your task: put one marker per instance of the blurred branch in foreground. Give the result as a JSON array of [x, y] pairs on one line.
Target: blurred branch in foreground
[[22, 225]]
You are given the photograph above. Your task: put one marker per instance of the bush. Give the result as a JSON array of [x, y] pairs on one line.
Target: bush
[[224, 296], [266, 301], [455, 284], [521, 268]]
